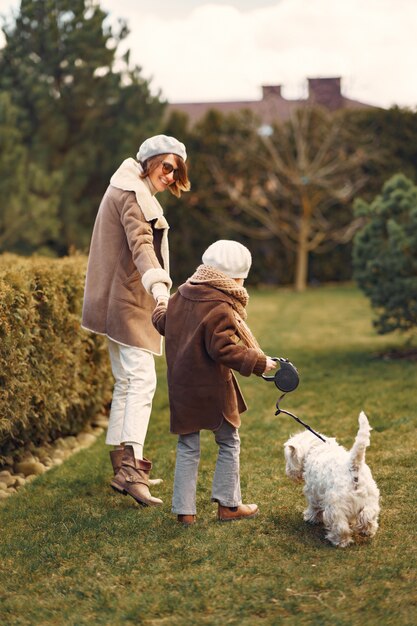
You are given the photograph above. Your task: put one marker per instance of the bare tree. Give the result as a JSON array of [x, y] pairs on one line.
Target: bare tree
[[293, 183]]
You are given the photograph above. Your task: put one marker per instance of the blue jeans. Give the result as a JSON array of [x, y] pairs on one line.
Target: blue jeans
[[226, 480]]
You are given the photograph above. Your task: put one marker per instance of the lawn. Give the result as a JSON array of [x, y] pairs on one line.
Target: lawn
[[73, 552]]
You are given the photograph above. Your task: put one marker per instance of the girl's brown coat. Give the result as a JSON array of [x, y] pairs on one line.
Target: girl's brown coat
[[199, 327]]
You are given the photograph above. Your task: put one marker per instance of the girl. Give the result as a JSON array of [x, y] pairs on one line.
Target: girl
[[206, 337]]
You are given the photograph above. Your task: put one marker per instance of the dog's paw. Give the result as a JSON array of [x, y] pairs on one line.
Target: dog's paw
[[313, 516]]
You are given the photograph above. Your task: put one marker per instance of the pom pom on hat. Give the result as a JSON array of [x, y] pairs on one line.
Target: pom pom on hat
[[230, 257], [160, 144]]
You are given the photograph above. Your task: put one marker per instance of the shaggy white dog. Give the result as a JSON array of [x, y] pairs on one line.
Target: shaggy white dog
[[339, 487]]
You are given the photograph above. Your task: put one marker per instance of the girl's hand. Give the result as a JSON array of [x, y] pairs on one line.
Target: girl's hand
[[270, 364]]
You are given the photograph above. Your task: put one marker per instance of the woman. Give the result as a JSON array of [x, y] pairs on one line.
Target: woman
[[128, 271]]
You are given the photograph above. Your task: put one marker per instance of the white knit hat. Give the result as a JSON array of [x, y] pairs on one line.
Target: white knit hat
[[160, 144], [230, 257]]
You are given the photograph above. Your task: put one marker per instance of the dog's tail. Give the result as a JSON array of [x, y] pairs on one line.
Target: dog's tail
[[362, 441]]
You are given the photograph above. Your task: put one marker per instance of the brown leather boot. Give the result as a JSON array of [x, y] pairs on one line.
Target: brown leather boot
[[186, 520], [230, 514], [133, 479], [153, 481], [116, 461]]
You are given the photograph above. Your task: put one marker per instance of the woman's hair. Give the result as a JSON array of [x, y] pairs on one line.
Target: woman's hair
[[178, 186]]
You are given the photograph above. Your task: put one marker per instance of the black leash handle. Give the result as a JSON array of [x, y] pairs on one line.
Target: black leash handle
[[297, 419]]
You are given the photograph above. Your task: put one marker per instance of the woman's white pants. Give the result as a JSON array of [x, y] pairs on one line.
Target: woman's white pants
[[134, 389]]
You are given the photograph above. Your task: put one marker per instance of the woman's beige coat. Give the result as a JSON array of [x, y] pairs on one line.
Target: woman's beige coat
[[128, 260], [199, 328]]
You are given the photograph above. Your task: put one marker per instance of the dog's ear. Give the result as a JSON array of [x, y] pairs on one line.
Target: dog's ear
[[291, 450]]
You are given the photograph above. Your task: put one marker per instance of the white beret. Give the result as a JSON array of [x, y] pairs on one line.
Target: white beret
[[230, 257], [160, 144]]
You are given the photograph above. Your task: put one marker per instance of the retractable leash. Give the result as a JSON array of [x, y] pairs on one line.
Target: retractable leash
[[286, 379]]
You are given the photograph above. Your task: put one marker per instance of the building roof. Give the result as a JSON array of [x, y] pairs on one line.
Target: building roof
[[325, 92]]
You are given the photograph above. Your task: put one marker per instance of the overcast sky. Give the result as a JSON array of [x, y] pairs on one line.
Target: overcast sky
[[195, 50]]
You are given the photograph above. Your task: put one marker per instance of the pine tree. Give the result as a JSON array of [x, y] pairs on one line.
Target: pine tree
[[392, 136], [28, 197], [82, 109], [385, 254]]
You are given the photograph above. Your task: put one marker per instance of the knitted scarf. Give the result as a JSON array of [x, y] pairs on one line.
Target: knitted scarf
[[207, 275]]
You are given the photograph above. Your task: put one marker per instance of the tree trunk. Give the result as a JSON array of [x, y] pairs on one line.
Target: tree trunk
[[301, 270]]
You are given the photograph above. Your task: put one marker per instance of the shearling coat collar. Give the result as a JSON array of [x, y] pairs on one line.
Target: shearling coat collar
[[127, 178]]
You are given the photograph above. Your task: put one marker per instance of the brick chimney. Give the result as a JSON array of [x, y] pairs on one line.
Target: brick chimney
[[269, 91], [325, 92]]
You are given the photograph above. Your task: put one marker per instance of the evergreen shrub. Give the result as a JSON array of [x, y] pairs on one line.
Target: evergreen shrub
[[54, 376], [385, 255]]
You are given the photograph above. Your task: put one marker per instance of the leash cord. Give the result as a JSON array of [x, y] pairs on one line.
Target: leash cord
[[297, 419]]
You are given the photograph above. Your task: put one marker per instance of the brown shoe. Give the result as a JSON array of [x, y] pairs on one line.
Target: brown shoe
[[186, 520], [232, 513], [116, 461], [133, 479]]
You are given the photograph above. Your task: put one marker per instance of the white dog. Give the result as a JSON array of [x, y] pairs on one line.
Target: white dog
[[339, 487]]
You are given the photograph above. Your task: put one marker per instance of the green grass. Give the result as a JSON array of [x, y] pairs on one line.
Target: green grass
[[73, 552]]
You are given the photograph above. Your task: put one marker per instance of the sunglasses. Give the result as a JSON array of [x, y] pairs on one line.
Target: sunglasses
[[167, 168]]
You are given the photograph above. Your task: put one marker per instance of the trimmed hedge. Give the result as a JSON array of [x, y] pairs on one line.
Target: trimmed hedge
[[54, 376]]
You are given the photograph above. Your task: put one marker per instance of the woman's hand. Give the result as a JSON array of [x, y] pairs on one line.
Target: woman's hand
[[162, 301], [159, 315], [270, 364]]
